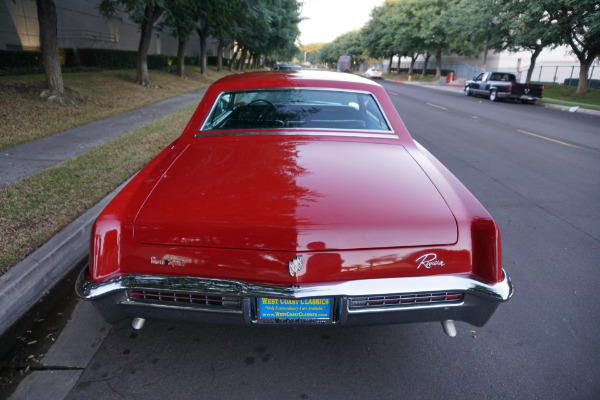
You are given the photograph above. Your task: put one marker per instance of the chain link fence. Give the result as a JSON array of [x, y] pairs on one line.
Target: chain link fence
[[563, 75], [555, 74]]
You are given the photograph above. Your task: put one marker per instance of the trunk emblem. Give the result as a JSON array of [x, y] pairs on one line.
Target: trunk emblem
[[526, 90], [429, 260], [169, 260], [295, 265]]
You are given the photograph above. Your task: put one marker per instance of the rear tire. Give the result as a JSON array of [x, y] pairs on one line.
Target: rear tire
[[494, 95]]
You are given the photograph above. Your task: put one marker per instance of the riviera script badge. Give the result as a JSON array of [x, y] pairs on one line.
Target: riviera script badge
[[429, 260]]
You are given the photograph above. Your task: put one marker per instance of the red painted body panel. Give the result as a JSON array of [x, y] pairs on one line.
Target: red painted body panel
[[295, 195], [242, 207]]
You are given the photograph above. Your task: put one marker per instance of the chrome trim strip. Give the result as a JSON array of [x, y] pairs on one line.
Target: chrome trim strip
[[500, 291], [181, 307], [305, 132], [407, 306]]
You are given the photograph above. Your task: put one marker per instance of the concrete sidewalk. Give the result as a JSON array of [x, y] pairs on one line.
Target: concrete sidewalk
[[25, 283], [31, 157]]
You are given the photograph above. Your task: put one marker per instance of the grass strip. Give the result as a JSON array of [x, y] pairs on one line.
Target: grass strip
[[25, 116], [567, 94], [36, 208]]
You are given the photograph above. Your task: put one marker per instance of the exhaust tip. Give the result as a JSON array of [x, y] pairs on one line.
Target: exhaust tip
[[138, 323], [449, 327]]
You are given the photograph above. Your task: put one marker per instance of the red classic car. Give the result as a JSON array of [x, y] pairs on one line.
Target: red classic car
[[295, 197]]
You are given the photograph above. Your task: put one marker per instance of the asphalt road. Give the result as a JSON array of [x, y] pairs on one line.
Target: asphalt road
[[536, 170]]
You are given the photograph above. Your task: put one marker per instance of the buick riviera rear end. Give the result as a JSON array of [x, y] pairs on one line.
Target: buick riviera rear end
[[296, 198]]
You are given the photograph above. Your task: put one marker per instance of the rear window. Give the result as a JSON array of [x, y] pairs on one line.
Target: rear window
[[502, 77], [295, 108]]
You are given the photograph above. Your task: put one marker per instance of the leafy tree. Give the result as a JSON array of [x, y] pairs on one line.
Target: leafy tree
[[526, 27], [409, 38], [268, 27], [327, 54], [312, 52], [145, 13], [578, 22], [224, 26], [475, 26], [181, 20], [434, 30], [382, 34], [349, 43], [408, 28]]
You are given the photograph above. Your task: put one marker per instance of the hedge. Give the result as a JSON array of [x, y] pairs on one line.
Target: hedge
[[24, 62], [592, 83]]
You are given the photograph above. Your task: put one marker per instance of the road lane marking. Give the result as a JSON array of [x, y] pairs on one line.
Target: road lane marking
[[549, 139], [436, 106], [394, 93]]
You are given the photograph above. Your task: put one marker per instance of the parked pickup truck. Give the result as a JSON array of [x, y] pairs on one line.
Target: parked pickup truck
[[503, 85]]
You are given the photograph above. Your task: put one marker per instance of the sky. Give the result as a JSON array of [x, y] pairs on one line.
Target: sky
[[328, 19]]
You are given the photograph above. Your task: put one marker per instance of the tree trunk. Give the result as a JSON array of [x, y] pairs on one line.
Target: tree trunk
[[203, 33], [220, 55], [424, 71], [438, 64], [413, 60], [584, 69], [390, 63], [46, 11], [151, 15], [232, 61], [586, 54], [536, 52], [181, 58], [242, 60]]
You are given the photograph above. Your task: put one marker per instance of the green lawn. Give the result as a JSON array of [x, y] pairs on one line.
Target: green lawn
[[566, 95]]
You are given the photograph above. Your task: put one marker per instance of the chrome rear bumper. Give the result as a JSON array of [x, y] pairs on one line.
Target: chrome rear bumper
[[362, 302]]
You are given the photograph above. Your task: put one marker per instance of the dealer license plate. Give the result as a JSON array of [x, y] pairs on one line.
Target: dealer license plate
[[294, 310]]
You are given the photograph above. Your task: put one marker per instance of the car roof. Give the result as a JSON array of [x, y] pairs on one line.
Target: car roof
[[302, 78]]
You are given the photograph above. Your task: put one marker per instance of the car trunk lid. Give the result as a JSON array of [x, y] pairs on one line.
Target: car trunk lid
[[284, 195]]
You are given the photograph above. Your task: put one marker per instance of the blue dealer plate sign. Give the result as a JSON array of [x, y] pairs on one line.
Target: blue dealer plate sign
[[294, 309]]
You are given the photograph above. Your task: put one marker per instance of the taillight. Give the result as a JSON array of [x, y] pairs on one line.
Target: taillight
[[487, 250], [510, 87]]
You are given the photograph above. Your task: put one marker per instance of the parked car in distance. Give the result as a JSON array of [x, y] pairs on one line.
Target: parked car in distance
[[373, 73], [503, 85], [344, 64], [285, 67], [295, 198]]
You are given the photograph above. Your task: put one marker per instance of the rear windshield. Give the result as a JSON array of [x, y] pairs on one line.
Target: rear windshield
[[502, 77], [295, 108]]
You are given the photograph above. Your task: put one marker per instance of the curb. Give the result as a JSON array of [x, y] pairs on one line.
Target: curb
[[27, 282], [577, 110]]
